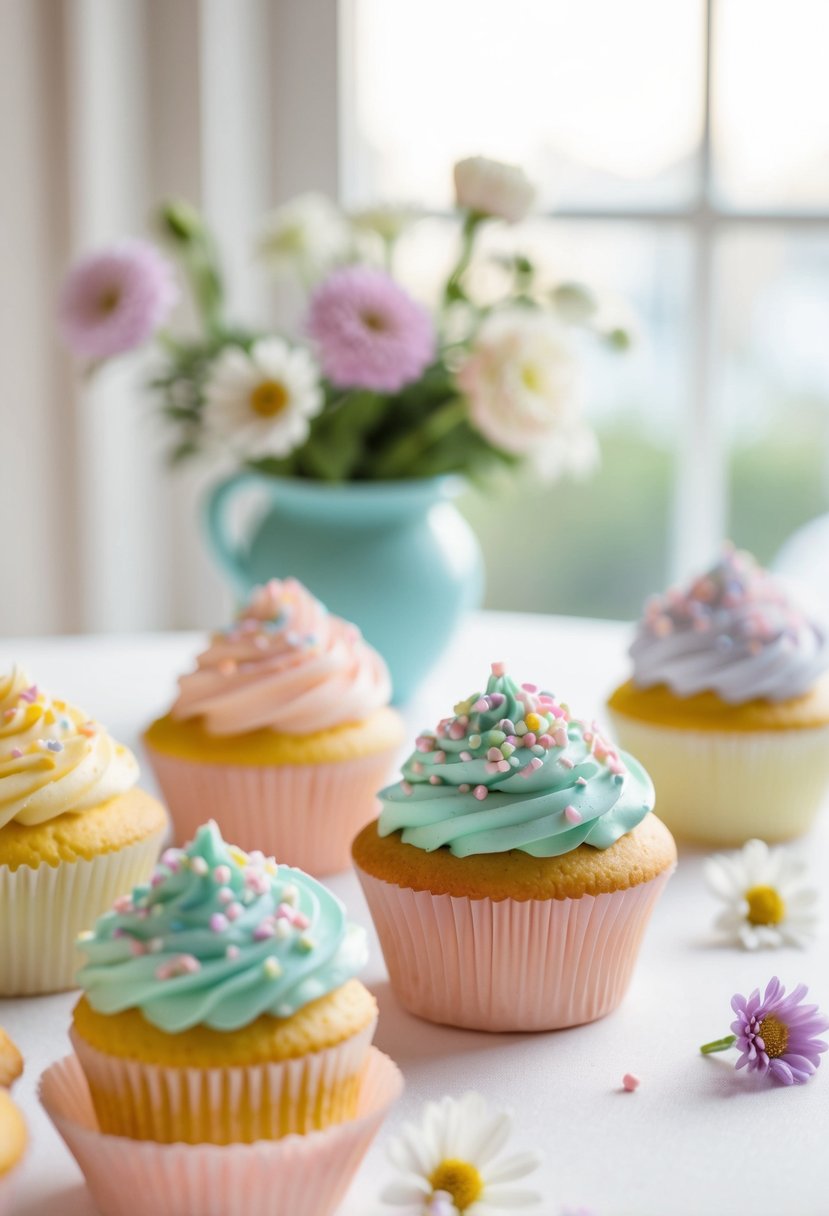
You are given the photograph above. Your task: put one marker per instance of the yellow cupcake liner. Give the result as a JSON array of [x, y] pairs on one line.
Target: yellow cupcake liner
[[723, 788], [235, 1105], [301, 1175], [43, 909], [304, 815]]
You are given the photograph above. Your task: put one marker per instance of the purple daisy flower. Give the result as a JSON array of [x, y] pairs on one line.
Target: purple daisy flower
[[369, 333], [114, 300], [777, 1034]]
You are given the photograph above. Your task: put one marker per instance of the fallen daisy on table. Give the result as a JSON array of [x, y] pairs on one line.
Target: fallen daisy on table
[[450, 1162], [767, 901], [777, 1035]]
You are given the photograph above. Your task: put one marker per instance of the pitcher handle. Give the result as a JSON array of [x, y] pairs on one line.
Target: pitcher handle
[[231, 555]]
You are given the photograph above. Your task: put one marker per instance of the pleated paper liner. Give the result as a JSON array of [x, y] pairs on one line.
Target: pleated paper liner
[[304, 815], [225, 1105], [510, 965], [8, 1189], [43, 909], [725, 787], [298, 1175]]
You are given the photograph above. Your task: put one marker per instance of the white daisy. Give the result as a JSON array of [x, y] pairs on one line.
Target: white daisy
[[261, 401], [450, 1162], [305, 236], [767, 900]]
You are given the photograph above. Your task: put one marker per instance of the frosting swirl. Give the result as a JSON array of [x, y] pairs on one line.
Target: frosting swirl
[[217, 938], [287, 664], [735, 631], [53, 759], [512, 770]]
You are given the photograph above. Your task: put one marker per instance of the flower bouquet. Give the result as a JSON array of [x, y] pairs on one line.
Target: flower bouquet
[[375, 385], [347, 430]]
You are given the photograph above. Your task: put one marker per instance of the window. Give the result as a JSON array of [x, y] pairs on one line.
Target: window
[[687, 172]]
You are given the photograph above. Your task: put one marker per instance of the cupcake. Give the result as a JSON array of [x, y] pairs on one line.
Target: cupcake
[[513, 870], [728, 706], [219, 1003], [282, 734], [11, 1061], [74, 833], [13, 1135]]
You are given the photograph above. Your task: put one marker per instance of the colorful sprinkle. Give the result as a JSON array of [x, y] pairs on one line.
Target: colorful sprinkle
[[572, 815], [480, 792], [219, 922], [630, 1082]]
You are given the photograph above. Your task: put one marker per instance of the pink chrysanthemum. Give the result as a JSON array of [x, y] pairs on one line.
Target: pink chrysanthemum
[[368, 332], [114, 300]]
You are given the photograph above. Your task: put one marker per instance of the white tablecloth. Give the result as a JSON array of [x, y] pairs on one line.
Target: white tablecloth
[[696, 1138]]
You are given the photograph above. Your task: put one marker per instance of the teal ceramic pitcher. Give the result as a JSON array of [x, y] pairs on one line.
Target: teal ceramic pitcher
[[396, 557]]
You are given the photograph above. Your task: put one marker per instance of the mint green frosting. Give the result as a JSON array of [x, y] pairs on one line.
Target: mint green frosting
[[512, 770], [217, 938]]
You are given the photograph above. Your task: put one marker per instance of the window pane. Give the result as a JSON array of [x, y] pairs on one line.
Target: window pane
[[592, 547], [775, 391], [770, 103], [601, 101]]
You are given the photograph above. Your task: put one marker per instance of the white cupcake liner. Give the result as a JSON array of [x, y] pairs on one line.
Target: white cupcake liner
[[510, 965], [304, 815], [298, 1175], [725, 787], [217, 1105], [43, 909]]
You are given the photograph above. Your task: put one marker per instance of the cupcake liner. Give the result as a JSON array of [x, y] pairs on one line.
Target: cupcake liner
[[301, 1175], [224, 1105], [43, 909], [8, 1188], [305, 815], [539, 964], [723, 788]]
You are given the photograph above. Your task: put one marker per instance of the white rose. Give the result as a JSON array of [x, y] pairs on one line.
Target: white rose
[[305, 236], [522, 381], [493, 188]]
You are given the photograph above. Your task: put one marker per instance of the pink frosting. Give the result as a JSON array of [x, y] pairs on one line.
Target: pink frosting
[[286, 664]]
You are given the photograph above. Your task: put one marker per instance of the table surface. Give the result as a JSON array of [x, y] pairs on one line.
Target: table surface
[[697, 1137]]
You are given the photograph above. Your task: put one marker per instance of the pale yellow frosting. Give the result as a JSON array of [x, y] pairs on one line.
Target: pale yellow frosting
[[53, 758]]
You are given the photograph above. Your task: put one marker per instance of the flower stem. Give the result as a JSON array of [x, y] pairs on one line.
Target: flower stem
[[453, 289], [400, 457], [708, 1049]]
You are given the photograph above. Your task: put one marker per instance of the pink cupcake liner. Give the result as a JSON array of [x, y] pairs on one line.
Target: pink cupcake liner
[[44, 908], [199, 1105], [511, 964], [300, 1175], [8, 1188], [305, 815]]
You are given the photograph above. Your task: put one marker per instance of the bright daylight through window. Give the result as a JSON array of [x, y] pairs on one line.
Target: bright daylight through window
[[689, 172]]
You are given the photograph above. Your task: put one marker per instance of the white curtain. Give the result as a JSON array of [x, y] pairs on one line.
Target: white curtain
[[106, 106]]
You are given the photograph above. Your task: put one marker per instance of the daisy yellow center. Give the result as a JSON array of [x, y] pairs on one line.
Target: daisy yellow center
[[766, 906], [269, 399], [459, 1179], [775, 1036]]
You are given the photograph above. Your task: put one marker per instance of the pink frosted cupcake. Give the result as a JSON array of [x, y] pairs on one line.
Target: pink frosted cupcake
[[513, 870], [282, 734]]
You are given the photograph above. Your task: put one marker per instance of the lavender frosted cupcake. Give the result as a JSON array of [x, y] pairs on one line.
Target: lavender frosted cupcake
[[728, 705]]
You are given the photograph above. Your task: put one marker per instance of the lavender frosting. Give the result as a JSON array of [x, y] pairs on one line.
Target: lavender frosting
[[736, 631]]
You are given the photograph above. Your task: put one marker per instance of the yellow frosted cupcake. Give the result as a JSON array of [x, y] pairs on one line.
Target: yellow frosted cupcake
[[13, 1141], [11, 1061], [728, 706], [220, 1005], [513, 870], [74, 833], [282, 734]]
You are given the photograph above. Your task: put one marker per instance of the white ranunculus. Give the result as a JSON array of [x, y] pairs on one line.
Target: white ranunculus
[[261, 402], [491, 187], [523, 385], [305, 236]]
